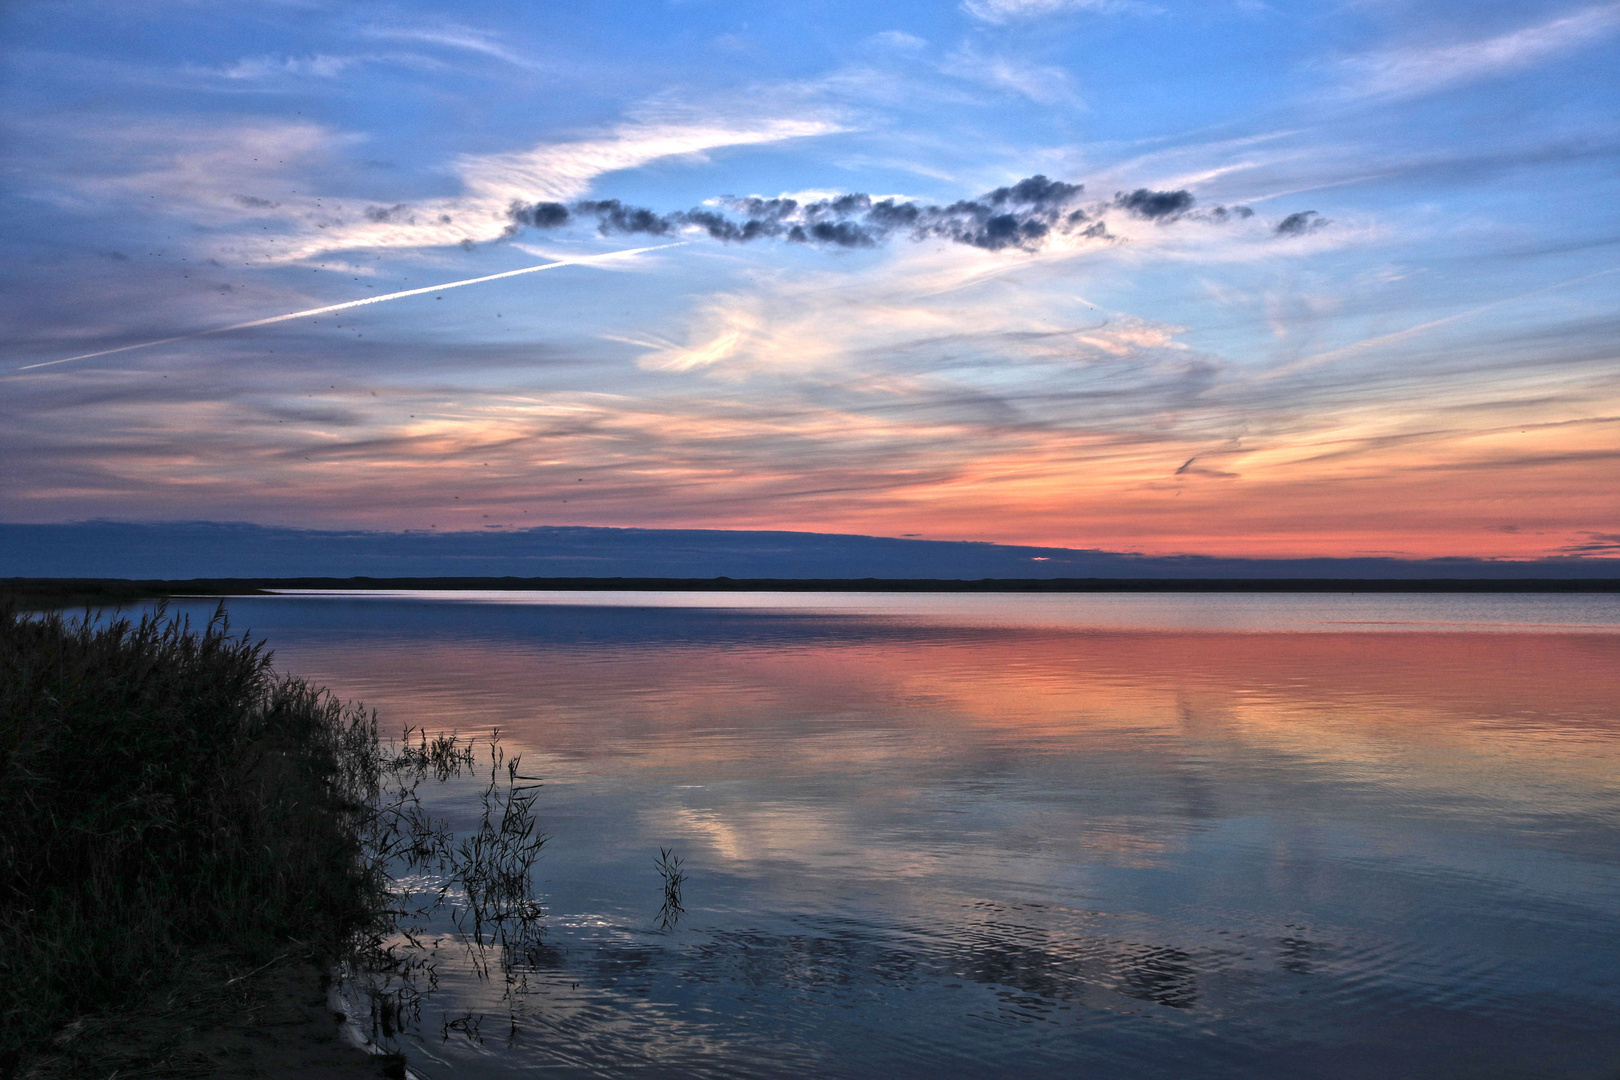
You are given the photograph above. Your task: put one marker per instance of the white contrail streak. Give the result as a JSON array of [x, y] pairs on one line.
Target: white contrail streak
[[352, 304]]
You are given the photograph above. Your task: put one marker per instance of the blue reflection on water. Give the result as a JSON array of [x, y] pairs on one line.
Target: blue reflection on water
[[1051, 836]]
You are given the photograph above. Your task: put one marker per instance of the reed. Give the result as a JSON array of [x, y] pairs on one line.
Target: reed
[[165, 796], [169, 804]]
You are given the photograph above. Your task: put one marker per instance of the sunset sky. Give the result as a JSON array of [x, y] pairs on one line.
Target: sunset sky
[[1343, 277]]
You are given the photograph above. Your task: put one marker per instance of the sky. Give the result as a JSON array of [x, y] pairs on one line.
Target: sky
[[1232, 277]]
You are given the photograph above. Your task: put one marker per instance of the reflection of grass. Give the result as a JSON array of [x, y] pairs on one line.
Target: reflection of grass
[[484, 876], [668, 865], [167, 802], [493, 864]]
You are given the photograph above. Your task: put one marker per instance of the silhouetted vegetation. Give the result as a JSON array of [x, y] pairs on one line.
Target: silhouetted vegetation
[[165, 797], [169, 805]]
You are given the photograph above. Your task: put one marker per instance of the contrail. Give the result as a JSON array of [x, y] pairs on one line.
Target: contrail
[[352, 304]]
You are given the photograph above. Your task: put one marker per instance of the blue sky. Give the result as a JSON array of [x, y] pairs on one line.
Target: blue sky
[[1381, 319]]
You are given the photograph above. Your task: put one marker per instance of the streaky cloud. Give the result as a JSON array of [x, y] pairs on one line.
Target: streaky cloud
[[1004, 11], [343, 306], [1405, 72]]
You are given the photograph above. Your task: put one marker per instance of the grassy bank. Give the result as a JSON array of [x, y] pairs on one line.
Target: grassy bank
[[170, 810]]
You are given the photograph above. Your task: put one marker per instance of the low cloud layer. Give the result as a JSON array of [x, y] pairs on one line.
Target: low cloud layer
[[1026, 216]]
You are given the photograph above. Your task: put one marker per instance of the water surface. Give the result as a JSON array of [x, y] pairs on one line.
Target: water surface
[[1055, 835]]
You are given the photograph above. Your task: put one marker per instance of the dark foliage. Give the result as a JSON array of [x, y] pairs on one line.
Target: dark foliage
[[164, 796]]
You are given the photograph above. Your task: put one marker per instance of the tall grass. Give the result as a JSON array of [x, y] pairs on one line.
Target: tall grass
[[164, 795]]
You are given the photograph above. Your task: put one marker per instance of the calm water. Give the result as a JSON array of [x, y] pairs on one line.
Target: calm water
[[1108, 836]]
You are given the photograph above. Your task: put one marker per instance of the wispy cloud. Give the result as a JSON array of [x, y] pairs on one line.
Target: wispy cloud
[[551, 171], [1002, 11], [1412, 70], [898, 40], [928, 327], [319, 65], [565, 170], [1042, 84], [454, 36], [256, 74], [210, 174], [1595, 543]]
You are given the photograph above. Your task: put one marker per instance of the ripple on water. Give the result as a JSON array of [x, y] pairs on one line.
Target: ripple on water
[[1134, 838]]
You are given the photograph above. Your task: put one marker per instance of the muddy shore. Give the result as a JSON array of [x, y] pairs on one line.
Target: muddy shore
[[274, 1023]]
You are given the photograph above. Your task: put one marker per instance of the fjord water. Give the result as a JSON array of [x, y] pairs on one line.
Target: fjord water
[[1056, 835]]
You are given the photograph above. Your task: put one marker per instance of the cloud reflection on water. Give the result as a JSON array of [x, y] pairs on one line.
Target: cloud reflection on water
[[918, 841]]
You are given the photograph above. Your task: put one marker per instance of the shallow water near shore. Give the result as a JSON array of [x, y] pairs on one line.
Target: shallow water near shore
[[1057, 835]]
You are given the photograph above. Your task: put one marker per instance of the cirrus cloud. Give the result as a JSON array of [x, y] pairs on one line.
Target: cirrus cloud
[[1412, 70], [1002, 11]]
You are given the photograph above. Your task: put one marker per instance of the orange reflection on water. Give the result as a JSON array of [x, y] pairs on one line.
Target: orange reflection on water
[[1458, 708]]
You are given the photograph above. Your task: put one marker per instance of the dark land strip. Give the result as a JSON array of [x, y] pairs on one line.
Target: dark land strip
[[38, 593]]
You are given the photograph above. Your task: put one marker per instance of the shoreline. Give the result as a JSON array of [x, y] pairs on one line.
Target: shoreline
[[36, 594], [284, 1021]]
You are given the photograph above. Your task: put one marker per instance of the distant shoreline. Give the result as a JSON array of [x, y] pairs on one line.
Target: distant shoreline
[[73, 592]]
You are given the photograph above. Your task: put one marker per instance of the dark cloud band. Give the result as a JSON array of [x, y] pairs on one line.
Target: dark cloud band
[[1306, 221], [1155, 205], [1024, 216]]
